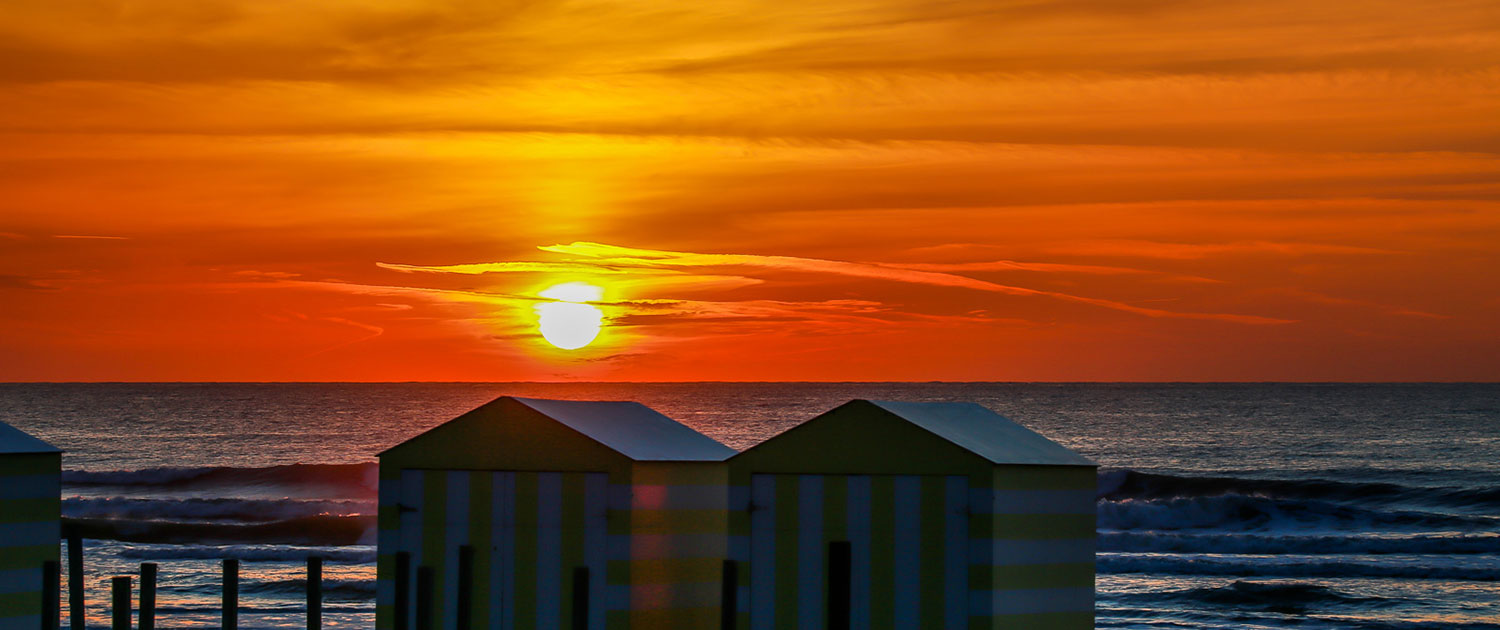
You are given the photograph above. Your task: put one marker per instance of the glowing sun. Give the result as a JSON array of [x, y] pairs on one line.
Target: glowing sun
[[570, 323]]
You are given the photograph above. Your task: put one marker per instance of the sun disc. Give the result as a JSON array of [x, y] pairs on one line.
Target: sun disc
[[568, 323]]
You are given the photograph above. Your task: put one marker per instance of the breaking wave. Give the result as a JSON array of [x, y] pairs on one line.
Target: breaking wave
[[356, 480], [246, 510], [309, 530]]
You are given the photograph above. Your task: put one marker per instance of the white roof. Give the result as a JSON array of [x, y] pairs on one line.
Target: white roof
[[634, 430], [985, 433], [15, 441]]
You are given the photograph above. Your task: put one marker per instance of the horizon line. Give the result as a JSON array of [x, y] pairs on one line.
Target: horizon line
[[749, 382]]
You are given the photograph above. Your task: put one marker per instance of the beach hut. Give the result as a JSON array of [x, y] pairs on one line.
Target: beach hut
[[30, 511], [913, 515], [528, 513]]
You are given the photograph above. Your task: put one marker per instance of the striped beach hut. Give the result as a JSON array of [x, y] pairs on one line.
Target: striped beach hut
[[30, 511], [528, 513], [898, 515]]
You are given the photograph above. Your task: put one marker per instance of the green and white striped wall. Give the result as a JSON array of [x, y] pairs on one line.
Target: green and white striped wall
[[654, 545], [927, 551], [30, 505], [1034, 566], [909, 544]]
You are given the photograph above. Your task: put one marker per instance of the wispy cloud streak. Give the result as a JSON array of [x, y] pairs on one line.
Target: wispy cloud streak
[[617, 259]]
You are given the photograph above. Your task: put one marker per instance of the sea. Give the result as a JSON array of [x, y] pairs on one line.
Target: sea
[[1220, 506]]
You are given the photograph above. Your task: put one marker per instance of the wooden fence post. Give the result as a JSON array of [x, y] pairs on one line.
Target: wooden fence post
[[314, 593], [77, 618], [51, 585], [231, 603], [120, 589], [147, 618]]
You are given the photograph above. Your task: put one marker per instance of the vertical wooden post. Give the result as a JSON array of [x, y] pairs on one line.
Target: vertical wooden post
[[77, 618], [231, 604], [120, 590], [424, 598], [580, 598], [840, 584], [403, 589], [729, 595], [465, 613], [314, 593], [147, 618], [51, 595]]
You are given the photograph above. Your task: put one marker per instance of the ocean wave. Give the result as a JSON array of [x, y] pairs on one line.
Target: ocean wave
[[358, 478], [333, 588], [248, 510], [290, 607], [1355, 623], [251, 553], [1292, 598], [1177, 617], [310, 530], [1119, 485], [1168, 542], [1297, 566], [1240, 512]]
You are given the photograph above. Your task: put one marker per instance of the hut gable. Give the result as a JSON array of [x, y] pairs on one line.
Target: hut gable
[[985, 433], [633, 430], [915, 438], [859, 437], [512, 433], [14, 441]]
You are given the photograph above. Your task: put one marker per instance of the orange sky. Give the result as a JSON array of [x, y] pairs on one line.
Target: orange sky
[[812, 190]]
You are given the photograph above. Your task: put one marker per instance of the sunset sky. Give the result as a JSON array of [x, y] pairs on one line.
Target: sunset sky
[[813, 190]]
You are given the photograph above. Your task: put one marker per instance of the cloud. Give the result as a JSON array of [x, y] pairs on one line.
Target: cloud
[[1320, 298], [255, 273], [626, 256], [91, 237], [516, 267], [1192, 251], [371, 332], [23, 282], [1011, 265]]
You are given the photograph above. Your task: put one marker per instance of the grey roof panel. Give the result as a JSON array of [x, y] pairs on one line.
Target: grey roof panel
[[15, 441], [985, 433], [634, 430]]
